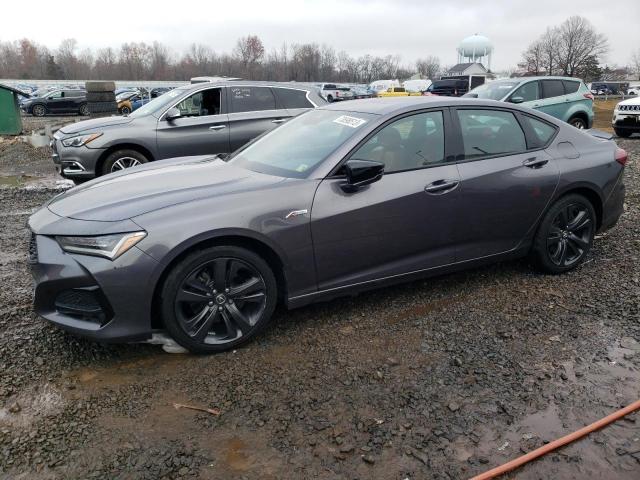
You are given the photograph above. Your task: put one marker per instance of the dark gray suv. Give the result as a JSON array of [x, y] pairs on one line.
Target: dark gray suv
[[191, 120]]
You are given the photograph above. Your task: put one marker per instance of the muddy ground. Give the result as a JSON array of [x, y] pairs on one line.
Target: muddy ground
[[441, 379]]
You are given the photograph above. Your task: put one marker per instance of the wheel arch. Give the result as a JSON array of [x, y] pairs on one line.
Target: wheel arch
[[579, 114], [122, 146], [238, 238]]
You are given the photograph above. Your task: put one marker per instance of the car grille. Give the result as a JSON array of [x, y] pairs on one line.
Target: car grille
[[33, 249], [629, 108]]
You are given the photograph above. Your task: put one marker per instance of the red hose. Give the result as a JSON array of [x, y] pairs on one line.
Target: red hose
[[538, 452]]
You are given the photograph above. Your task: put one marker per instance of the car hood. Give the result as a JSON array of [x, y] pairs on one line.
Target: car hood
[[631, 101], [151, 187], [94, 124]]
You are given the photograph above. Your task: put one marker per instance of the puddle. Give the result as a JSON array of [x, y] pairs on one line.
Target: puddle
[[13, 180], [33, 405], [235, 457]]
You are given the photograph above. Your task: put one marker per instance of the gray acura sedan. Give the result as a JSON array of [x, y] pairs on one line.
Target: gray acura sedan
[[341, 199]]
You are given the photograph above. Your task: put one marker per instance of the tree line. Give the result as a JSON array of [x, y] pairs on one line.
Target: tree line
[[26, 59]]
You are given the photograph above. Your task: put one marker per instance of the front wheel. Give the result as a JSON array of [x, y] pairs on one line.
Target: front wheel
[[623, 133], [565, 235], [578, 122], [39, 110], [218, 298], [84, 110], [122, 159], [125, 110]]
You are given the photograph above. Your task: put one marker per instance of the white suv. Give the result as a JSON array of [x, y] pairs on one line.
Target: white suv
[[626, 117]]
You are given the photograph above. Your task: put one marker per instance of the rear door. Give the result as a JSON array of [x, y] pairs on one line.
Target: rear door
[[252, 111], [202, 129], [553, 99], [294, 101], [506, 179], [56, 102]]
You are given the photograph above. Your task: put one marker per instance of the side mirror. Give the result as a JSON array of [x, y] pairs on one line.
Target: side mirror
[[172, 114], [362, 172], [516, 100]]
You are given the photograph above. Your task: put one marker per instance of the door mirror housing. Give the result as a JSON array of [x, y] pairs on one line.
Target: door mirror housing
[[362, 172], [172, 114], [516, 100]]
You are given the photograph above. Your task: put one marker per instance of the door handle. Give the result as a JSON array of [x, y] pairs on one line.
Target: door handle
[[441, 186], [279, 120], [534, 162], [217, 127]]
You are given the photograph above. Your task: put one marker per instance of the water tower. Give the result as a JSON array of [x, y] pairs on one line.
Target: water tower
[[475, 49]]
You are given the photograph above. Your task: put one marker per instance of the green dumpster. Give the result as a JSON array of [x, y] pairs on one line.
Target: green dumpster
[[10, 119]]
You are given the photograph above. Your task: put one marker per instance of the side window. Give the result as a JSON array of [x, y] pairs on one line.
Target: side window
[[542, 131], [528, 92], [552, 88], [570, 86], [490, 132], [290, 98], [203, 103], [56, 95], [251, 99], [409, 143]]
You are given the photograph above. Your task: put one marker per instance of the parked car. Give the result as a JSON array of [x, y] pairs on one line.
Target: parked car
[[626, 117], [448, 88], [633, 91], [130, 101], [206, 248], [381, 85], [199, 119], [360, 92], [333, 93], [397, 92], [566, 98], [417, 85], [56, 102]]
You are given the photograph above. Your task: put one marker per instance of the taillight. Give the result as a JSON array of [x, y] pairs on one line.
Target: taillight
[[621, 156], [589, 96]]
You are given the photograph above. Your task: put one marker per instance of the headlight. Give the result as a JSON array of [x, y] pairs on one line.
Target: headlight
[[80, 140], [108, 246]]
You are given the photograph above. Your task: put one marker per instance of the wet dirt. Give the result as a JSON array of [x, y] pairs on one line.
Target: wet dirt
[[438, 379]]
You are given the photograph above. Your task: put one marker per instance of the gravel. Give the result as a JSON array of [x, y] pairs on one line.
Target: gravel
[[442, 378]]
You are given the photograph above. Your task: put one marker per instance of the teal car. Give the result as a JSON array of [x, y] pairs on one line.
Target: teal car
[[565, 98]]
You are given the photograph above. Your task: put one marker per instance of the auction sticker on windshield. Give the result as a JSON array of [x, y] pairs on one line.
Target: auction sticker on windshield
[[347, 121]]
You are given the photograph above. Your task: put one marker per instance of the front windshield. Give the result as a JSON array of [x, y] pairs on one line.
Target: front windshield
[[493, 90], [124, 96], [159, 103], [296, 148]]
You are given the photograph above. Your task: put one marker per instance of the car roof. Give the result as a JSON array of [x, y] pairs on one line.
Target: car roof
[[391, 105], [257, 83], [543, 77]]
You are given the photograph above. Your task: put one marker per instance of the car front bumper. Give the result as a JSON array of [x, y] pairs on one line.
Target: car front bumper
[[75, 163], [90, 296], [626, 121]]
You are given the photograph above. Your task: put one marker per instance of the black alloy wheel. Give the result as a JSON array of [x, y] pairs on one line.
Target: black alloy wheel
[[84, 110], [565, 235], [39, 110], [218, 299]]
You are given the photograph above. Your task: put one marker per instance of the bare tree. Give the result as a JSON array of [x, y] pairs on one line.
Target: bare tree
[[579, 44], [635, 63], [250, 51], [428, 67]]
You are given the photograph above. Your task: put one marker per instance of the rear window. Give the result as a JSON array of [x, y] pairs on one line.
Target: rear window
[[571, 87], [490, 132], [542, 131], [251, 99], [290, 98], [329, 86], [552, 88]]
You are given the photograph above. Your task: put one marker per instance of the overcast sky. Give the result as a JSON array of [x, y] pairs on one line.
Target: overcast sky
[[411, 28]]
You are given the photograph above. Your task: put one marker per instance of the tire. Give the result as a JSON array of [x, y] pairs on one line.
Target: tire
[[103, 107], [623, 133], [330, 98], [125, 110], [100, 86], [101, 97], [222, 317], [578, 122], [84, 110], [39, 110], [565, 235], [122, 159]]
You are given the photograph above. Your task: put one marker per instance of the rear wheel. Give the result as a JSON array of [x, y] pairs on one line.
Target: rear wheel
[[121, 159], [578, 122], [125, 110], [623, 133], [39, 110], [565, 234], [84, 110], [218, 298], [330, 98]]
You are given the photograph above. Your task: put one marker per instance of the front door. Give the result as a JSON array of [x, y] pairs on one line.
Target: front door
[[400, 224], [505, 183], [202, 128]]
